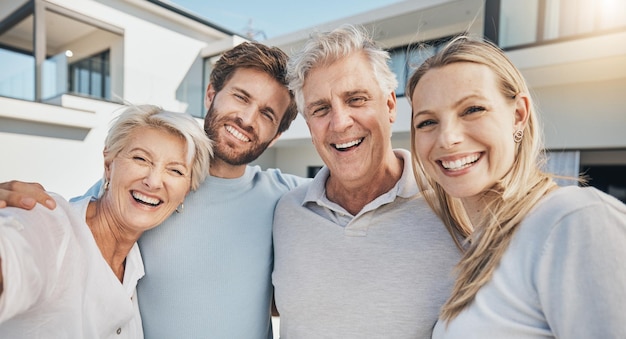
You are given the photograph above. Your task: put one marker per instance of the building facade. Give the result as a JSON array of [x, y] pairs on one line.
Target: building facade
[[571, 52], [65, 66]]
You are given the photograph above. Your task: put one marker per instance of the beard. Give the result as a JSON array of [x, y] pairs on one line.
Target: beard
[[225, 150]]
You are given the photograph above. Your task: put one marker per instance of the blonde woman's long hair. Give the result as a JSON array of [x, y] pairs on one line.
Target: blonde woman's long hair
[[511, 198]]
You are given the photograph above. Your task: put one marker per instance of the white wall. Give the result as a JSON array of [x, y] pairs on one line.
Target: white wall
[[584, 116], [61, 163]]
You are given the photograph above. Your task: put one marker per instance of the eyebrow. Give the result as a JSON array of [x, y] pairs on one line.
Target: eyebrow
[[344, 94], [456, 104], [316, 103], [243, 91], [151, 154], [357, 91]]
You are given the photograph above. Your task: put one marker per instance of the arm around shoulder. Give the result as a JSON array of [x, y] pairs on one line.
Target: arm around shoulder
[[24, 195], [289, 180]]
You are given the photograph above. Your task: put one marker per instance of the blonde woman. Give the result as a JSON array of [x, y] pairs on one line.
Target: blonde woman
[[71, 272], [539, 261]]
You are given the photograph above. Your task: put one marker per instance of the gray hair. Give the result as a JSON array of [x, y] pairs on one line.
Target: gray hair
[[324, 48], [199, 147]]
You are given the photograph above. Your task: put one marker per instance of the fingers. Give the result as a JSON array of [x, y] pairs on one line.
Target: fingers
[[24, 195]]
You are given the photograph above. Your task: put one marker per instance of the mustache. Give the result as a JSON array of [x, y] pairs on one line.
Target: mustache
[[211, 128], [239, 122]]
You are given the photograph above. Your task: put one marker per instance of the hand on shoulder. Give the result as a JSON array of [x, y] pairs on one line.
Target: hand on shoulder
[[24, 195]]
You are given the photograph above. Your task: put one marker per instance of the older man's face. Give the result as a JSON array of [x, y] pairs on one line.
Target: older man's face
[[349, 118]]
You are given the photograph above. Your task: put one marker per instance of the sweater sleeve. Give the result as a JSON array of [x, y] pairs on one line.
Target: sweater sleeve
[[581, 275]]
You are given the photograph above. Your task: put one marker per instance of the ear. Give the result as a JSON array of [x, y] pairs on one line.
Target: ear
[[107, 165], [522, 111], [392, 106], [209, 96]]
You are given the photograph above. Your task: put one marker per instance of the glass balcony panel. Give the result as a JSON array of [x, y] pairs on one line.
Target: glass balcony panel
[[518, 22], [17, 75]]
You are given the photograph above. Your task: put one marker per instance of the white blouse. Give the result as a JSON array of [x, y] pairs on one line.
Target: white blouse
[[56, 282]]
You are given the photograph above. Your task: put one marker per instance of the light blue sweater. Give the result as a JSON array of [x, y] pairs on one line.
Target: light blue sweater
[[208, 268]]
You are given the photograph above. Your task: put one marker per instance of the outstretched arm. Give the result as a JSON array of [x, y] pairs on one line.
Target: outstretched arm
[[24, 195]]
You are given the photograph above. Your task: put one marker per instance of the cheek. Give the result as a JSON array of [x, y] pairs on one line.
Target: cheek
[[422, 147], [179, 189], [317, 132], [503, 157], [430, 168]]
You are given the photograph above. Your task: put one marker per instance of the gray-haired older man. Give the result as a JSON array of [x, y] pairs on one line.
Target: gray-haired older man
[[358, 253]]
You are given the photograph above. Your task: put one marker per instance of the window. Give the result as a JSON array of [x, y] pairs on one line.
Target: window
[[311, 171], [405, 59], [91, 76], [35, 64], [17, 71], [536, 21], [207, 68]]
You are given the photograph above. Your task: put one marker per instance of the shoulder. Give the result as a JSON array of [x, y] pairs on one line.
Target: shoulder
[[575, 216], [296, 195], [40, 214], [566, 201], [289, 181]]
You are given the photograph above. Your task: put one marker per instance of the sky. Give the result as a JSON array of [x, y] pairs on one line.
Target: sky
[[272, 18]]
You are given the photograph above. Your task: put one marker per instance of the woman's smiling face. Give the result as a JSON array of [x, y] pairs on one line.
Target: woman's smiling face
[[463, 127]]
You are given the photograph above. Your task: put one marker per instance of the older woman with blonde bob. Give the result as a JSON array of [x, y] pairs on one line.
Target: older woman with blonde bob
[[71, 272], [540, 261]]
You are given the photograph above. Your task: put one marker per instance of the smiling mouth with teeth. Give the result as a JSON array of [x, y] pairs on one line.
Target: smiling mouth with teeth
[[236, 133], [460, 164], [142, 199], [347, 145]]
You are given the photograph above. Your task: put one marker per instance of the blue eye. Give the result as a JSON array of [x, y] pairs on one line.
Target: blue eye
[[320, 111], [425, 123], [474, 109], [268, 115], [357, 101], [241, 97]]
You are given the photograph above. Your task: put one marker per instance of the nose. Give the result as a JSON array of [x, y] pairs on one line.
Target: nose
[[341, 119], [153, 178], [248, 115], [450, 134]]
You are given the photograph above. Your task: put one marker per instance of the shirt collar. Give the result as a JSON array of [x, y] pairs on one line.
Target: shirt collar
[[405, 187]]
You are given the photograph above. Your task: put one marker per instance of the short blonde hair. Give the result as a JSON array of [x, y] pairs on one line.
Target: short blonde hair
[[199, 147]]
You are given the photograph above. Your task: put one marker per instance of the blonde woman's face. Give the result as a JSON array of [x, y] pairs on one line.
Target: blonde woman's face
[[463, 128], [149, 179]]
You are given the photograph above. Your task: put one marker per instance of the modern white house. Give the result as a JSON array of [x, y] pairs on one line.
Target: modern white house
[[66, 65]]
